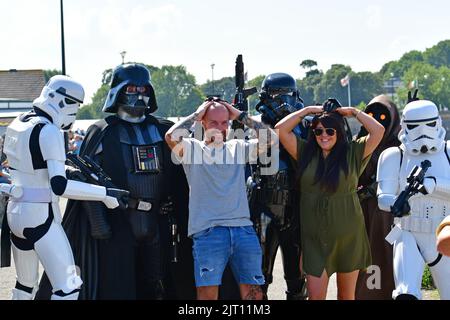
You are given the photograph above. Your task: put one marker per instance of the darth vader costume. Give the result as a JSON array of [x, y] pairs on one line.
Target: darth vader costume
[[142, 252]]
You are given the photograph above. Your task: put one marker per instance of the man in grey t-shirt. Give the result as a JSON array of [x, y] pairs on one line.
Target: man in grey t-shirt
[[219, 218]]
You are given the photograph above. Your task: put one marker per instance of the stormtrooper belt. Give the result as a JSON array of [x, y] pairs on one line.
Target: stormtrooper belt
[[34, 195], [140, 204]]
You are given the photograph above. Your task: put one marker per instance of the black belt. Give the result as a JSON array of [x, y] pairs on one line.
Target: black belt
[[140, 204]]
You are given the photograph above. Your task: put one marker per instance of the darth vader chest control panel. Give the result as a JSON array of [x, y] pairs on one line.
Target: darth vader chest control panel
[[146, 159]]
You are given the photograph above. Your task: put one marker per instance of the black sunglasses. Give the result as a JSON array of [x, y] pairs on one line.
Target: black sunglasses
[[329, 131]]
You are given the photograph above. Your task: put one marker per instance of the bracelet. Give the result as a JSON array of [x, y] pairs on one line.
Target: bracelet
[[357, 114], [242, 116]]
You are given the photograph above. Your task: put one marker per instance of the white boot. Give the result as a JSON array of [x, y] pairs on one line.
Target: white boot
[[22, 295]]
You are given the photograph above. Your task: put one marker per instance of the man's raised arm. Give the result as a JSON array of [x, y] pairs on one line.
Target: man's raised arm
[[180, 129]]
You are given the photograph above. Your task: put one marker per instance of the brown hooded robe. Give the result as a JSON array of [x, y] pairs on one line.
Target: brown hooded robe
[[370, 285]]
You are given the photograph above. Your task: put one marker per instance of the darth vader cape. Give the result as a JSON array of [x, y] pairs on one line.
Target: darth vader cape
[[179, 276]]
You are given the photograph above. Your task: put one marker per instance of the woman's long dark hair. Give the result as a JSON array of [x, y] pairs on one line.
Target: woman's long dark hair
[[328, 169]]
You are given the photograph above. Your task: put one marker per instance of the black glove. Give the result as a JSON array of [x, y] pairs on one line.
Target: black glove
[[405, 211], [122, 196], [413, 97], [75, 174], [331, 105]]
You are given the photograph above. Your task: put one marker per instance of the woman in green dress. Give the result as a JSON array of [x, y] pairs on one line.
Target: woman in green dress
[[333, 233]]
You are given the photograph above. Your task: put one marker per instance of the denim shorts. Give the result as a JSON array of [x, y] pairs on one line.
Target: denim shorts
[[216, 246]]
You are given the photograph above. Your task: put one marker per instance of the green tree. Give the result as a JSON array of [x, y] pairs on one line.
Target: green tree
[[225, 87], [330, 85], [176, 91], [438, 55], [433, 83], [308, 64], [365, 86], [307, 85], [50, 73], [398, 68], [311, 67], [94, 109]]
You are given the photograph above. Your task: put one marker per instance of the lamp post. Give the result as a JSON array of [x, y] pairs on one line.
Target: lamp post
[[62, 39], [63, 71], [392, 86], [212, 78], [123, 53]]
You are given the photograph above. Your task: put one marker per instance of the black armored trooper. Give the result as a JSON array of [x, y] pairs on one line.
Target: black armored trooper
[[273, 198], [133, 253]]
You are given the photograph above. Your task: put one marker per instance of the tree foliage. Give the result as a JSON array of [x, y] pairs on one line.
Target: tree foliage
[[178, 94]]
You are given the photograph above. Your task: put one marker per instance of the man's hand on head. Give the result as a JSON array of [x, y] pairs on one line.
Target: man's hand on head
[[234, 112], [201, 110]]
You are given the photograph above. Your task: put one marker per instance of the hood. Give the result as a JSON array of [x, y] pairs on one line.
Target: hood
[[390, 137]]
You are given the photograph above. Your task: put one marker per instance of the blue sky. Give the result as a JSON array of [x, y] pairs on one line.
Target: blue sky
[[273, 36]]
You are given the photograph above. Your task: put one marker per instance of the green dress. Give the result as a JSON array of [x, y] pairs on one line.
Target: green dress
[[333, 232]]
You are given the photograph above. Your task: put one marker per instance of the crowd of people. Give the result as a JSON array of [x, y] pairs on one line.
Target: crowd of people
[[75, 139], [198, 209]]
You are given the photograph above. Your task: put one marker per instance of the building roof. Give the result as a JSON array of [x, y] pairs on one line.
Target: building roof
[[22, 85]]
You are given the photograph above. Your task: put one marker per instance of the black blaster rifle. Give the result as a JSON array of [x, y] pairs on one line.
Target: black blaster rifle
[[94, 174], [167, 208], [242, 94], [415, 185], [90, 170]]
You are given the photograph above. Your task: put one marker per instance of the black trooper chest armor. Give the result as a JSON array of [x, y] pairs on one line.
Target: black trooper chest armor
[[275, 192]]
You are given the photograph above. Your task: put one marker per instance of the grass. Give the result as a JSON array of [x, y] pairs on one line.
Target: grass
[[427, 280]]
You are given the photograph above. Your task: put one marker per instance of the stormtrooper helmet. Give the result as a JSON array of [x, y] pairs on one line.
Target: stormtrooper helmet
[[279, 97], [422, 130], [60, 99]]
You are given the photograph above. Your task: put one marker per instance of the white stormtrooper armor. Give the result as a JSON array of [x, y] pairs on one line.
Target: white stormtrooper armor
[[414, 236], [34, 145]]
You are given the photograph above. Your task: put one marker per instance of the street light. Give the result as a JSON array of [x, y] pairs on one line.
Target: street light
[[62, 39], [123, 53], [392, 86], [212, 78]]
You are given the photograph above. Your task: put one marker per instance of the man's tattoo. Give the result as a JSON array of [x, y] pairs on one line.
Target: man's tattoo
[[185, 124], [188, 122], [259, 128], [254, 293], [249, 122]]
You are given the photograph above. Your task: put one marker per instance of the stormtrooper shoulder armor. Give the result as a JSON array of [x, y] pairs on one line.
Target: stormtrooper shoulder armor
[[389, 164], [51, 141]]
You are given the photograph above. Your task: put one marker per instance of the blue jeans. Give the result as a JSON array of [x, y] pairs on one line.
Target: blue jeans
[[214, 247]]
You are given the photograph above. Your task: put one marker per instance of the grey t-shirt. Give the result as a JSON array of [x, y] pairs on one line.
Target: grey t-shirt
[[216, 178]]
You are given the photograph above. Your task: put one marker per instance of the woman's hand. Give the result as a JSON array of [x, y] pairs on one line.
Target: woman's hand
[[285, 126], [347, 111], [311, 110]]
